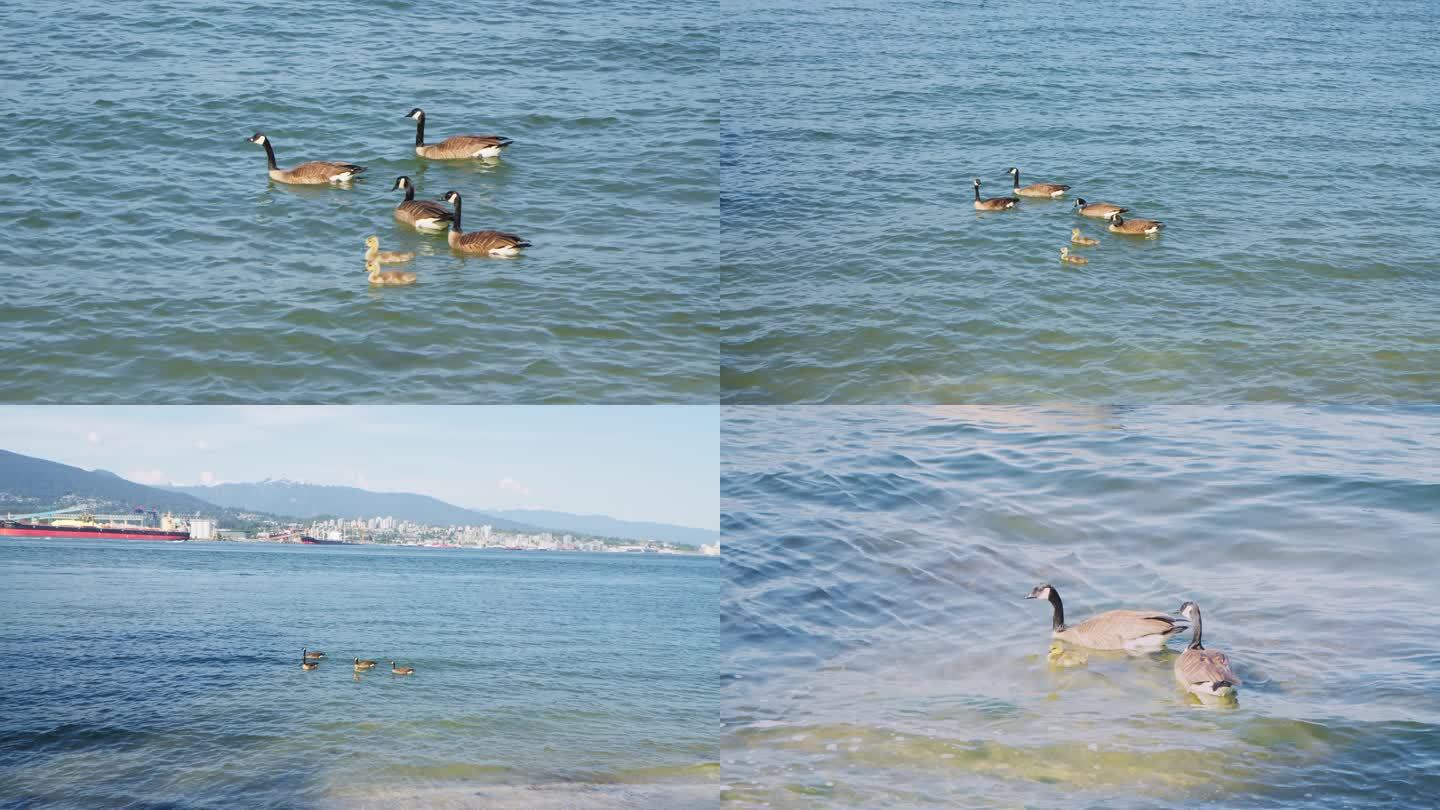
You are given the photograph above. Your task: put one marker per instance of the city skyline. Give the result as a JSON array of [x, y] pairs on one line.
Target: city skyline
[[654, 463]]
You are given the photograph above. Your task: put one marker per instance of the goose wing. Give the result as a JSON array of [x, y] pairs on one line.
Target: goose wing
[[464, 145], [426, 209], [1048, 188], [492, 240], [323, 170], [1117, 627], [1205, 666]]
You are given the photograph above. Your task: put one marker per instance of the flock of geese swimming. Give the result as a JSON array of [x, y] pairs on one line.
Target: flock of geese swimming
[[426, 216], [1109, 212], [1204, 673], [310, 660]]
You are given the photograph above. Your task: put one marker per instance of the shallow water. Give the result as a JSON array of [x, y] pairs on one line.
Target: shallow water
[[877, 649], [149, 258], [172, 676], [1287, 146]]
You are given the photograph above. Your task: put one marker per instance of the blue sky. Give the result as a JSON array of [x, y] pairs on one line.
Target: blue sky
[[636, 463]]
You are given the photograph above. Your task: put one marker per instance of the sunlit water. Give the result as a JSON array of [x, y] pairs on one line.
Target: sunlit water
[[169, 675], [877, 651], [148, 257], [1288, 146]]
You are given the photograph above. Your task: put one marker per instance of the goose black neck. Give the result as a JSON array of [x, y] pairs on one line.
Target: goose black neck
[[270, 154], [409, 192], [977, 194], [420, 130], [1058, 621], [1017, 178], [1195, 638], [455, 220]]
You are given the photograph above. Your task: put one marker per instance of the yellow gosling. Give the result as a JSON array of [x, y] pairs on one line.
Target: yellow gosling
[[373, 254], [1069, 259], [388, 278], [1084, 241]]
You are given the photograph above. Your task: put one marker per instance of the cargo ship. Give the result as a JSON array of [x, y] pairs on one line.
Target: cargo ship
[[87, 528], [316, 541]]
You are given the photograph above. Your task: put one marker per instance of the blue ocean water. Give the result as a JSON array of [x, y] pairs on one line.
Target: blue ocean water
[[878, 651], [1288, 146], [168, 675], [148, 258]]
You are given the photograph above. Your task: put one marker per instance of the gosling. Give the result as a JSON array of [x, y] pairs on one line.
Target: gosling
[[388, 278], [373, 254], [1068, 259], [1084, 241]]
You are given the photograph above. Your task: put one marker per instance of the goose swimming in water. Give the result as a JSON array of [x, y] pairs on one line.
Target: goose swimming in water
[[1052, 191], [422, 215], [1083, 241], [1204, 673], [455, 147], [1134, 227], [1069, 259], [992, 203], [398, 670], [1111, 630], [314, 173], [1099, 210], [490, 243]]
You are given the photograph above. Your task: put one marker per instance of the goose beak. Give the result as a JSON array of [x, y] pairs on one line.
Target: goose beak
[[1030, 595]]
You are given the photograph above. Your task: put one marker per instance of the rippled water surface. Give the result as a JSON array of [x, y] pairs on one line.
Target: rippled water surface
[[149, 258], [1288, 146], [169, 675], [877, 651]]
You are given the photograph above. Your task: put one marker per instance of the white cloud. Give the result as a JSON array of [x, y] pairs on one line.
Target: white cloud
[[207, 478], [511, 485], [93, 437], [151, 477], [201, 444]]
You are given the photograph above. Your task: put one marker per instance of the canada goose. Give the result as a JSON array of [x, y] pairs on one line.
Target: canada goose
[[366, 664], [373, 254], [422, 215], [1068, 259], [993, 203], [1097, 210], [1061, 656], [1052, 190], [455, 147], [1112, 630], [308, 660], [1134, 227], [1206, 673], [316, 172], [492, 243], [309, 656], [388, 278], [308, 665], [394, 670], [1085, 241]]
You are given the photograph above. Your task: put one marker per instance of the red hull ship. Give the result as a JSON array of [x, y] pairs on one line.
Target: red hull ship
[[11, 528]]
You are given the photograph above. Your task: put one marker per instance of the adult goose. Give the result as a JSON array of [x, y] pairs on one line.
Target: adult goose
[[455, 147], [397, 670], [1134, 227], [364, 665], [1099, 210], [489, 243], [1205, 673], [422, 215], [314, 173], [1051, 190], [1112, 630], [307, 663], [992, 203], [312, 656]]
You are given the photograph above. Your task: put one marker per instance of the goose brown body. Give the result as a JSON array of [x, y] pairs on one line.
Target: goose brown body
[[1112, 630], [422, 215], [489, 243], [313, 173], [1206, 673], [1099, 210], [1048, 190], [1134, 227], [992, 203], [456, 147]]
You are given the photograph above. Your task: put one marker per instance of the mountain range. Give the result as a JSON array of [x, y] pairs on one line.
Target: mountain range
[[307, 500]]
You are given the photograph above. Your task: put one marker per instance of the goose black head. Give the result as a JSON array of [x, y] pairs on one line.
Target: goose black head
[[258, 137], [1189, 610], [416, 113], [401, 182], [450, 196], [1041, 592]]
